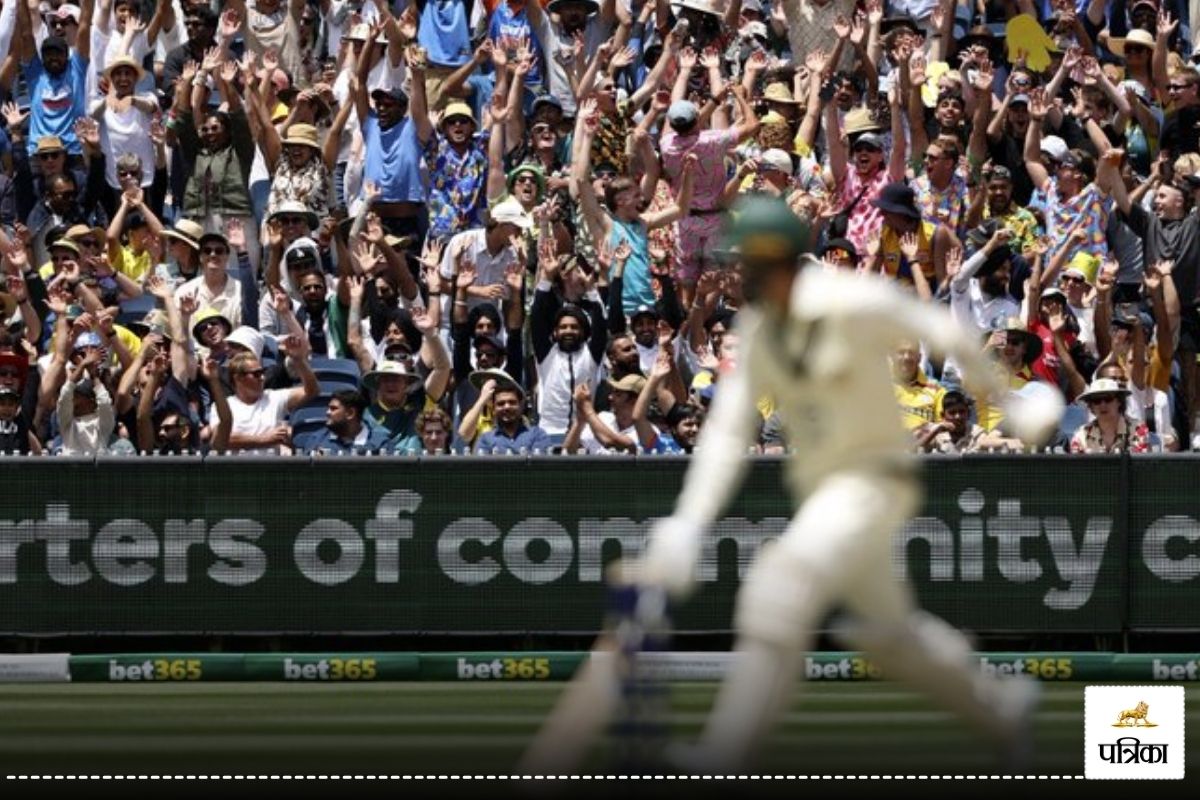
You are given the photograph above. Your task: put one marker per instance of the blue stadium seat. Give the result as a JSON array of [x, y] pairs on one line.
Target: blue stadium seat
[[331, 385], [306, 414], [336, 369]]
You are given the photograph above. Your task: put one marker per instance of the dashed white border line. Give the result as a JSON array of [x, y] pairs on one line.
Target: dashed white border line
[[546, 777]]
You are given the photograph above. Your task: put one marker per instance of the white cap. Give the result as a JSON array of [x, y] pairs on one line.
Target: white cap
[[1055, 147], [511, 211], [248, 338], [776, 159]]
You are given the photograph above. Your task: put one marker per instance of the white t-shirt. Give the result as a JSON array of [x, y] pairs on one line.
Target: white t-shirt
[[123, 132], [589, 443], [257, 418]]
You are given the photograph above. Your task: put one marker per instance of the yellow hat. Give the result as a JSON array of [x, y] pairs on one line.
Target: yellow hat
[[303, 134], [459, 110], [859, 120], [1085, 265], [779, 93]]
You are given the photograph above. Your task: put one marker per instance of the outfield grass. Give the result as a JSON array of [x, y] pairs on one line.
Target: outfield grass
[[424, 728]]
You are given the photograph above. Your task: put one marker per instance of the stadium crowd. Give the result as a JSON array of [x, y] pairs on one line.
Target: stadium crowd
[[492, 225]]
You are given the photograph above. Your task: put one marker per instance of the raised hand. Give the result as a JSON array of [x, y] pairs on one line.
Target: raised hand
[[954, 259], [408, 22], [842, 26], [431, 252], [1106, 279], [13, 116], [212, 59], [229, 71], [374, 230], [910, 245], [235, 232], [356, 285], [190, 68], [158, 287], [270, 60], [416, 57], [687, 59], [15, 284], [875, 11], [858, 30], [1165, 25], [514, 279], [364, 255], [88, 131], [231, 23], [423, 322], [466, 276], [274, 233], [189, 304]]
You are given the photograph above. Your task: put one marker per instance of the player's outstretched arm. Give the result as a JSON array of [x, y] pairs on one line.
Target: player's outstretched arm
[[716, 471]]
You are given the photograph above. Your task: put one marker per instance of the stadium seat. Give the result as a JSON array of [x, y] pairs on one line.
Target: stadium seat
[[136, 309], [331, 385], [336, 369], [306, 414]]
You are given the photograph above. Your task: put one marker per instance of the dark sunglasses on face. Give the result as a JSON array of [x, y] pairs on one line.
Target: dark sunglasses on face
[[50, 155], [525, 179], [289, 219], [214, 251], [254, 373]]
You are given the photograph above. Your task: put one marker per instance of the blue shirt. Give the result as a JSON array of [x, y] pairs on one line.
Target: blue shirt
[[516, 25], [56, 102], [444, 32], [637, 289], [527, 439], [326, 441], [665, 444], [394, 160]]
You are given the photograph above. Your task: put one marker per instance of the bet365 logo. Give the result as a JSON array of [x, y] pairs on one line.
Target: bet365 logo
[[1134, 732]]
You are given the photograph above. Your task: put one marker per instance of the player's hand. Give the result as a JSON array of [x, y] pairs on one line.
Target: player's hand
[[671, 556]]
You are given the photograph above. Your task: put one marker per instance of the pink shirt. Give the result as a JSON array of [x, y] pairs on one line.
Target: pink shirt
[[865, 219], [710, 147]]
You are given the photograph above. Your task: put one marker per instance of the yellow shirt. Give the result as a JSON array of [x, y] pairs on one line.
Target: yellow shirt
[[889, 251], [920, 401], [132, 265]]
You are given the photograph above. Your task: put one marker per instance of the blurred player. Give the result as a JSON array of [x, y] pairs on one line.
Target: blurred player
[[817, 342]]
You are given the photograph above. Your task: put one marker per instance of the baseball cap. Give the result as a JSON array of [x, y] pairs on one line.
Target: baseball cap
[[87, 339], [1054, 147], [394, 92], [546, 100], [247, 337], [645, 310], [630, 383], [512, 212], [490, 340], [872, 140], [1019, 99], [776, 159], [683, 113]]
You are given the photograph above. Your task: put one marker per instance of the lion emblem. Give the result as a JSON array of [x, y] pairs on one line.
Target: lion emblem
[[1135, 717]]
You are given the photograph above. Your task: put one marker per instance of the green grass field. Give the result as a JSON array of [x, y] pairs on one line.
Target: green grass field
[[429, 728]]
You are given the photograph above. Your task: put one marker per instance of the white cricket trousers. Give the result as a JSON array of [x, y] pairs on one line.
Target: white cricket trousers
[[836, 550]]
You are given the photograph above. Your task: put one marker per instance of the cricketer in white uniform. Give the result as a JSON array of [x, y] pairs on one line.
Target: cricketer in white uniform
[[817, 342]]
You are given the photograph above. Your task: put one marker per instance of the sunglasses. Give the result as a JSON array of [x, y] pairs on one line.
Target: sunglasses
[[129, 173], [59, 22], [87, 243], [50, 155], [1104, 398], [1071, 279], [170, 426], [865, 148], [1136, 48], [214, 251], [459, 121], [291, 219], [541, 128], [254, 373], [525, 179]]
